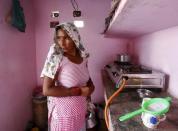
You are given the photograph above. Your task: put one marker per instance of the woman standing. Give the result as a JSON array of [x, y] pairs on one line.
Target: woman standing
[[66, 80]]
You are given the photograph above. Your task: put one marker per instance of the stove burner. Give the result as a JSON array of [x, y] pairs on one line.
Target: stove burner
[[129, 68], [139, 76]]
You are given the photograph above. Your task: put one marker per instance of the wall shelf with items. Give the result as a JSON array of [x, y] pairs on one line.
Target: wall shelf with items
[[133, 18]]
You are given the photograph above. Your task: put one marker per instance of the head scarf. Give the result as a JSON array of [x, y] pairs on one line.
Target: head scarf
[[55, 53]]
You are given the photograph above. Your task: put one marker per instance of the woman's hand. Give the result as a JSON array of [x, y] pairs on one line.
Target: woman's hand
[[85, 91], [75, 91]]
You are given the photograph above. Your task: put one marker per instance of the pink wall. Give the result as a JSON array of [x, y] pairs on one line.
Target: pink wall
[[102, 50], [160, 51], [17, 70]]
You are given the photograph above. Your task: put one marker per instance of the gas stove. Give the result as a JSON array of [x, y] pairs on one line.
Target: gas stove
[[139, 76]]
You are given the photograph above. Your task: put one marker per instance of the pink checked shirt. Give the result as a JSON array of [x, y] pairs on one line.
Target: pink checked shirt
[[69, 112]]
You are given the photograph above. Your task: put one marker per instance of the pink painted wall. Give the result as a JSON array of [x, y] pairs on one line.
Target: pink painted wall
[[102, 50], [159, 50], [17, 70]]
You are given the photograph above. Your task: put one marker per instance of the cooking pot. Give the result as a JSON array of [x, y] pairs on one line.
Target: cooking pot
[[91, 120], [123, 58]]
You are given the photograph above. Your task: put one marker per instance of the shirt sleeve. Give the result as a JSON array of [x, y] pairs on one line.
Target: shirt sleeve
[[50, 65]]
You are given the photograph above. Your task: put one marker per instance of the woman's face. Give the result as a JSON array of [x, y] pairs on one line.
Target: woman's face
[[64, 41]]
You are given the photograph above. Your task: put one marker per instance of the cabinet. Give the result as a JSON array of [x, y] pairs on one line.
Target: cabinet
[[133, 18]]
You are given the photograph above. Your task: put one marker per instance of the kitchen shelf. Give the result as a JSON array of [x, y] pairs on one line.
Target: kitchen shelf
[[133, 18]]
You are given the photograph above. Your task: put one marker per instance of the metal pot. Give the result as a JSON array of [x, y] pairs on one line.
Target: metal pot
[[123, 58], [91, 121], [145, 93]]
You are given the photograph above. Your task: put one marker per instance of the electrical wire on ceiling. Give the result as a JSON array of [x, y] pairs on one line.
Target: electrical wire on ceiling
[[74, 5], [76, 11]]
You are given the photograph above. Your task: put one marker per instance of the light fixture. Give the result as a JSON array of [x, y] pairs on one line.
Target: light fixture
[[79, 23], [76, 11]]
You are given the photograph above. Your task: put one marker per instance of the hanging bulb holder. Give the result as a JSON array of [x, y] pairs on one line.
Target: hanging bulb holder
[[77, 13]]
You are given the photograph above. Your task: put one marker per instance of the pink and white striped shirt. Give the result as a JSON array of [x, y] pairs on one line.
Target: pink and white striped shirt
[[71, 74]]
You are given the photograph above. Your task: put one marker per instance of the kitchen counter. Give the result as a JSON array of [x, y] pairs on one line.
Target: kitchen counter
[[129, 101]]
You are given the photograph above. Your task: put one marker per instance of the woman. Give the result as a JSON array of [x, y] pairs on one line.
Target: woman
[[66, 80]]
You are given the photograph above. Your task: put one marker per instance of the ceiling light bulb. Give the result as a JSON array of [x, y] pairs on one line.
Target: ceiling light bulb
[[79, 23]]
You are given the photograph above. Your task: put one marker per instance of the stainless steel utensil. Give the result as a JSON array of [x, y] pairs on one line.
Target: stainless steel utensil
[[91, 121], [145, 93], [123, 58]]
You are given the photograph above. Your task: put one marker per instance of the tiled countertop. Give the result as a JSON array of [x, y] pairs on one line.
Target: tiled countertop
[[129, 101]]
